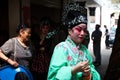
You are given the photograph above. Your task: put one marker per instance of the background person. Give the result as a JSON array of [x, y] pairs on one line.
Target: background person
[[106, 37], [18, 50], [41, 58], [96, 37]]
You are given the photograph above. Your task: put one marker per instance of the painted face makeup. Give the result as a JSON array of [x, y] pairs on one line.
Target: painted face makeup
[[80, 29], [79, 33]]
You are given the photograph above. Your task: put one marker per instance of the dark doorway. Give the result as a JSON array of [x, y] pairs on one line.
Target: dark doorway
[[4, 25]]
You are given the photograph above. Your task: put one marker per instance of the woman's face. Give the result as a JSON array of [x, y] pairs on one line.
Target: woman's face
[[25, 34], [78, 33], [44, 29]]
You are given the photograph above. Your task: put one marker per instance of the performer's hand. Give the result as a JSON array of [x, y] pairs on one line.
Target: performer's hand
[[87, 74], [80, 67], [86, 71]]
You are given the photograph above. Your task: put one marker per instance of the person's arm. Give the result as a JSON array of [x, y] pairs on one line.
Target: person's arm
[[59, 68], [5, 49], [94, 75], [8, 60], [92, 37], [3, 57]]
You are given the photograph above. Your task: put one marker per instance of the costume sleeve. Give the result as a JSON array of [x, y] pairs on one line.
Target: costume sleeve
[[58, 67], [95, 74]]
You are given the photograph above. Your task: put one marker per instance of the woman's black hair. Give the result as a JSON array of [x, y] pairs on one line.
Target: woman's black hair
[[45, 21], [21, 26]]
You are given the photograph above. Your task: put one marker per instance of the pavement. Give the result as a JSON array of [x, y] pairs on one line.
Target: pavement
[[105, 55]]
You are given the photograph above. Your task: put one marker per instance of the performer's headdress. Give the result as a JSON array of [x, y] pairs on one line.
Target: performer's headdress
[[75, 15]]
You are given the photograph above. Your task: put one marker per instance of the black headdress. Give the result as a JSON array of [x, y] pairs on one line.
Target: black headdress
[[75, 15]]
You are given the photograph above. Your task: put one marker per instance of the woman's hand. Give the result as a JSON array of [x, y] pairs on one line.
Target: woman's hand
[[86, 71], [87, 75], [13, 63], [81, 67]]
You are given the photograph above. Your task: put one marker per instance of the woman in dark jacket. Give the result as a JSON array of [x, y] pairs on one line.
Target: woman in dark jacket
[[40, 61]]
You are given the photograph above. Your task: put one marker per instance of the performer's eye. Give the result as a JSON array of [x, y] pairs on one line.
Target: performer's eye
[[78, 29]]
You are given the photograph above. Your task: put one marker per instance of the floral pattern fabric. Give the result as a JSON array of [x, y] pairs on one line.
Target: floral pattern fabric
[[65, 56]]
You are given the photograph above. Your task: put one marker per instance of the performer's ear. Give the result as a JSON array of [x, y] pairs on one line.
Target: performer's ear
[[69, 31]]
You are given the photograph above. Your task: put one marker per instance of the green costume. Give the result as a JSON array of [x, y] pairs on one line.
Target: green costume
[[66, 55]]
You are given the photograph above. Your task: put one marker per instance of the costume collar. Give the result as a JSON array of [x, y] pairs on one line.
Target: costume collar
[[72, 42]]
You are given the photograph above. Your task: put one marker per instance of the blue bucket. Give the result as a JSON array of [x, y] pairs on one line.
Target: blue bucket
[[9, 73]]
